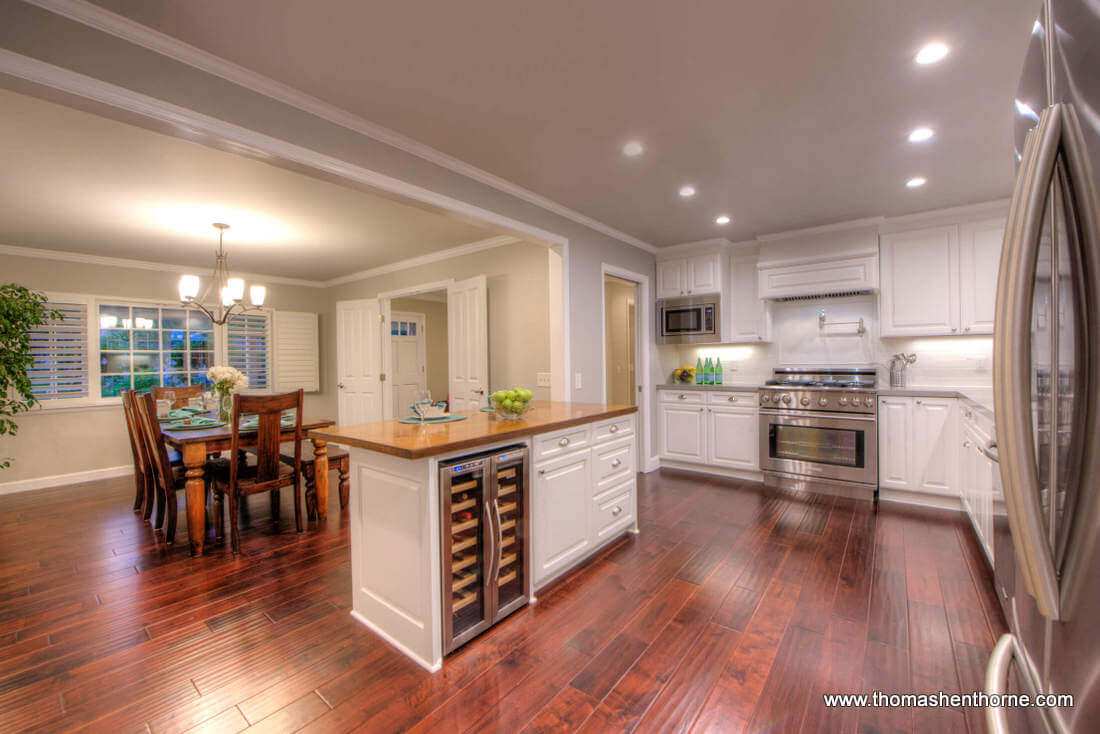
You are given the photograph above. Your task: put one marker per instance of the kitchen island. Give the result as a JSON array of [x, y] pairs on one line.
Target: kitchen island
[[578, 495]]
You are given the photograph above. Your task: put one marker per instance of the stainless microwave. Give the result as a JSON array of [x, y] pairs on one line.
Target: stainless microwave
[[688, 321]]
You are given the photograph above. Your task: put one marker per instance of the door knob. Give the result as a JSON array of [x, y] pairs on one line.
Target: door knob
[[479, 392], [340, 385]]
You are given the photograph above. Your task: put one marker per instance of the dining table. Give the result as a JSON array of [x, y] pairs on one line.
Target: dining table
[[195, 445]]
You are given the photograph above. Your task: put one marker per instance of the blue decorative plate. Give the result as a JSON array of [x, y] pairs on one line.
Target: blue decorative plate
[[449, 418], [181, 426]]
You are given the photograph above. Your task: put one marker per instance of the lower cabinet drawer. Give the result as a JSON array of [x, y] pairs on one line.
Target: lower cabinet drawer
[[613, 429], [562, 442], [615, 512], [611, 463]]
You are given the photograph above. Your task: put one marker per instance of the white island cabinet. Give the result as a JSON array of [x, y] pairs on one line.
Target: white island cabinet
[[581, 495]]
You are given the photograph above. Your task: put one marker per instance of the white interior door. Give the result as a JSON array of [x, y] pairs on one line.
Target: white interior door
[[409, 371], [358, 361], [468, 344]]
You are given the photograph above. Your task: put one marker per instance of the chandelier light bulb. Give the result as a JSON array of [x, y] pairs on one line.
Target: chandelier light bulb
[[189, 287], [236, 288], [257, 294]]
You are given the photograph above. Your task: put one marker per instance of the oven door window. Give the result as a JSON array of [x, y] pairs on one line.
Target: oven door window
[[683, 320], [836, 446]]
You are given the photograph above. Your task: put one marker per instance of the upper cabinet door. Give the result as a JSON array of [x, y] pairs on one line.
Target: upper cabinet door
[[704, 274], [920, 282], [672, 278], [979, 261], [749, 316]]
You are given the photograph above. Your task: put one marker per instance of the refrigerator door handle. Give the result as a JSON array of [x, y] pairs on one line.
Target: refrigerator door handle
[[1084, 537], [996, 682], [1012, 360]]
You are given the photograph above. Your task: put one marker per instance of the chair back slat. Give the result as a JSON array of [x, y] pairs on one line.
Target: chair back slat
[[178, 395], [133, 428], [154, 437], [269, 410]]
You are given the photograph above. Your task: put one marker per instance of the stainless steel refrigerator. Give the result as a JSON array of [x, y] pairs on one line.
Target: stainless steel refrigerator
[[1047, 385]]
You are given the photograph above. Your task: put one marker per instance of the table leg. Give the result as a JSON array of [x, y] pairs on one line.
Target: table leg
[[194, 457], [320, 476]]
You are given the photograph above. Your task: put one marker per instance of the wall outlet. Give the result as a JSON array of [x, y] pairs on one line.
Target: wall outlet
[[577, 382], [542, 379]]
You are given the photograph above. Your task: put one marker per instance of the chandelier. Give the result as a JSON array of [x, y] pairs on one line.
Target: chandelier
[[230, 290]]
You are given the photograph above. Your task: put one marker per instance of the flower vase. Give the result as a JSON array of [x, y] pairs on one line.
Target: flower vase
[[225, 404]]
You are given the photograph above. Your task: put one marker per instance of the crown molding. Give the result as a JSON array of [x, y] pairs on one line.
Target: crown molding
[[795, 234], [128, 30], [431, 257], [122, 262], [967, 212]]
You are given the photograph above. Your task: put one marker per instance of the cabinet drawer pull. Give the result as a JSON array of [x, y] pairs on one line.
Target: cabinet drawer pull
[[682, 396], [616, 463], [616, 510], [563, 441], [614, 428]]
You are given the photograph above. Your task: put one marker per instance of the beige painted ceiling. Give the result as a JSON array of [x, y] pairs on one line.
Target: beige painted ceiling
[[783, 114], [81, 183]]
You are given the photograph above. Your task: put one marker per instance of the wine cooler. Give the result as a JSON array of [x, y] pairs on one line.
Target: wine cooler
[[484, 541]]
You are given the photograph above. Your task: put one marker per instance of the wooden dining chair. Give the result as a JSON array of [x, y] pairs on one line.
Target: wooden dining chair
[[178, 395], [339, 461], [235, 479], [144, 482], [169, 474]]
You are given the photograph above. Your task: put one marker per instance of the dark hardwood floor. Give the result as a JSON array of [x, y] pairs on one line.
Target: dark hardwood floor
[[734, 610]]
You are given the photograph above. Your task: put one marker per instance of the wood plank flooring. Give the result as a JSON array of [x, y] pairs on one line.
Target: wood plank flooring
[[733, 611]]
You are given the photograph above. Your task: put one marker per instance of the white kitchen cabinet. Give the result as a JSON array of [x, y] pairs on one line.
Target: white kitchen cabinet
[[934, 445], [683, 431], [976, 481], [748, 316], [920, 282], [689, 276], [731, 437], [894, 443], [979, 261], [562, 495]]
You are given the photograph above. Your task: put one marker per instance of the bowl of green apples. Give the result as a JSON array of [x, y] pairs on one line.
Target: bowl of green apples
[[511, 404]]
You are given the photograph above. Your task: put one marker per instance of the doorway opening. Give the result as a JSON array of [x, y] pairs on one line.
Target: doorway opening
[[418, 349], [620, 340]]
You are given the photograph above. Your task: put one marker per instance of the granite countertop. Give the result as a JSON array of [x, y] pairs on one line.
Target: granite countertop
[[932, 392], [723, 386], [414, 441]]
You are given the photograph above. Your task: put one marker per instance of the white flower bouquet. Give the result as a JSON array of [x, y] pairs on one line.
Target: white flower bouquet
[[227, 381]]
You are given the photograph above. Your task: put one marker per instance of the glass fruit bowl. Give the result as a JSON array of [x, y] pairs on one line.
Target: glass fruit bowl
[[511, 415], [511, 405]]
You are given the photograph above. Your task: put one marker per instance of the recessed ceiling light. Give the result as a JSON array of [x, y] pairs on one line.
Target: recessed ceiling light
[[931, 53], [722, 219], [633, 148], [920, 134], [687, 191], [916, 182]]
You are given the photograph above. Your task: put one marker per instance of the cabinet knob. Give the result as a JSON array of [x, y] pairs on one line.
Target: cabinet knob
[[564, 441], [967, 329], [616, 463], [953, 329], [616, 510], [919, 402], [614, 428], [682, 396], [732, 399]]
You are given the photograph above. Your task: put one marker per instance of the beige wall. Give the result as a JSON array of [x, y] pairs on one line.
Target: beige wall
[[618, 344], [70, 440], [435, 336]]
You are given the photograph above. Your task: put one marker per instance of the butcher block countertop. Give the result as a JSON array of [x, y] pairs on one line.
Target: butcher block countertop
[[416, 442]]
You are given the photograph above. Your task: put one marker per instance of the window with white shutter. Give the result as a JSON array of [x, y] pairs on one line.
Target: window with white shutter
[[59, 350], [247, 347], [296, 352]]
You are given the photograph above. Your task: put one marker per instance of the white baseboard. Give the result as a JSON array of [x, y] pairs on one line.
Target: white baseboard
[[58, 480], [718, 471], [652, 465], [924, 499], [430, 667]]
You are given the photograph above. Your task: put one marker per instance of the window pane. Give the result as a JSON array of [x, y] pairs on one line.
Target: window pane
[[146, 362], [173, 340], [203, 340], [146, 318], [175, 362], [112, 317], [201, 360], [111, 386], [393, 328], [175, 380], [173, 318], [146, 341], [412, 328], [114, 339], [197, 320], [142, 383], [114, 362], [199, 378]]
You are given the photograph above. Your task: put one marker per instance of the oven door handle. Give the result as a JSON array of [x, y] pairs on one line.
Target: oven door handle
[[814, 414]]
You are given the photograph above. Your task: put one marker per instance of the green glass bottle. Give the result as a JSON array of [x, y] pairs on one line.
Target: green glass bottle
[[708, 372], [699, 371], [718, 371]]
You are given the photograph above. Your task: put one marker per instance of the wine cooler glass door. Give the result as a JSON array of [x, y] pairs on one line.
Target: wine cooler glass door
[[468, 549], [509, 508]]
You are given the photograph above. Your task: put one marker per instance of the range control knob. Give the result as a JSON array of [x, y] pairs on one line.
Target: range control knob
[[869, 402], [823, 401], [765, 397], [786, 399], [843, 400], [805, 401]]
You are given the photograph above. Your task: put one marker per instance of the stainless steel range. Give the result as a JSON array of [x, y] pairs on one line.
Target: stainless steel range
[[819, 430]]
